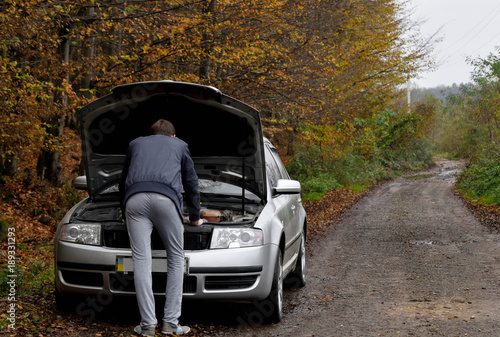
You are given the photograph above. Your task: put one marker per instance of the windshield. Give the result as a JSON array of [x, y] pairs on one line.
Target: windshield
[[210, 189]]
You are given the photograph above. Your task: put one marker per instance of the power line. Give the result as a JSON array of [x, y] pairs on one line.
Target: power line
[[494, 37], [461, 60], [472, 29], [484, 27]]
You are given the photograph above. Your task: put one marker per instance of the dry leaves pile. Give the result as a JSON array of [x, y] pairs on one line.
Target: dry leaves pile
[[488, 215], [323, 213]]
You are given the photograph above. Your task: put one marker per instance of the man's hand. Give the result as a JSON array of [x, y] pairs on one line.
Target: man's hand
[[196, 223]]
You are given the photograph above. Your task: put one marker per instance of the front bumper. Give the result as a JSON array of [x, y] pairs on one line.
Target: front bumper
[[239, 274]]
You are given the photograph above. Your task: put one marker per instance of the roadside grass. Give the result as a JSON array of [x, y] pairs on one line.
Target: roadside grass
[[316, 187], [355, 172], [480, 180], [34, 285], [446, 155], [33, 271]]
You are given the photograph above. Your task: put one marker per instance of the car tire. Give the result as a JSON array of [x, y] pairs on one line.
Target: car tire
[[297, 278], [270, 309], [275, 298]]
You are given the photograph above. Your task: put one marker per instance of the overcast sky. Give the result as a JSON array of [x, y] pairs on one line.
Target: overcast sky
[[468, 29]]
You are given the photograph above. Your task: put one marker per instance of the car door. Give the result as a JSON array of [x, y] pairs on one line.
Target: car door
[[286, 204], [294, 199]]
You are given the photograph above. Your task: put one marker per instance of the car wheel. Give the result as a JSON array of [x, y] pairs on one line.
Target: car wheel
[[297, 278], [270, 310]]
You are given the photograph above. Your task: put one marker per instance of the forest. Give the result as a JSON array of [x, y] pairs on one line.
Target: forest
[[327, 76]]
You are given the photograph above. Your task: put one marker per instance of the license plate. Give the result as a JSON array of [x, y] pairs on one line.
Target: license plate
[[125, 264]]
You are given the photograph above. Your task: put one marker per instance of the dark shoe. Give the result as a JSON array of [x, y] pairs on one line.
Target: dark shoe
[[179, 330], [148, 332]]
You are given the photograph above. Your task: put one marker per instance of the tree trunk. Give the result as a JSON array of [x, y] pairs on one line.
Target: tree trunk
[[49, 166], [8, 164], [209, 7], [49, 160], [89, 52], [71, 119]]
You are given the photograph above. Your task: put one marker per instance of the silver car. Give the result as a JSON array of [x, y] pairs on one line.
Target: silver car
[[253, 238]]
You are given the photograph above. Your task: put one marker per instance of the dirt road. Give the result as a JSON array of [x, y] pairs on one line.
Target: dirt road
[[407, 260]]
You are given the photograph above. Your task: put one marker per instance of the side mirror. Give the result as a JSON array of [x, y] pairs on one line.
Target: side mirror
[[286, 186], [80, 183]]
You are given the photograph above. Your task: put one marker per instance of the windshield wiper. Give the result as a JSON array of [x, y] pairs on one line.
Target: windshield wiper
[[227, 198]]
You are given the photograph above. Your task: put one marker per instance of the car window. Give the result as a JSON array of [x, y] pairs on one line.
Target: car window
[[272, 169], [281, 166]]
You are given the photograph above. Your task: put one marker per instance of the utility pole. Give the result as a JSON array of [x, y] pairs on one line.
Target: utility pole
[[408, 94]]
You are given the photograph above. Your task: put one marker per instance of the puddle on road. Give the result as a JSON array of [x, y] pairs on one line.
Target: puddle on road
[[425, 242], [442, 171], [421, 176]]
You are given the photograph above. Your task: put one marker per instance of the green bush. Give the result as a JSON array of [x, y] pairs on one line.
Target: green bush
[[307, 163], [380, 148], [352, 170], [414, 156], [481, 178], [315, 187]]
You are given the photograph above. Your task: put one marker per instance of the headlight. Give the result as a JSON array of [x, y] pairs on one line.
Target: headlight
[[89, 234], [236, 238]]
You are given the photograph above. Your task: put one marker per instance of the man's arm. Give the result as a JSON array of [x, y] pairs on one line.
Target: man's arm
[[121, 184], [190, 183]]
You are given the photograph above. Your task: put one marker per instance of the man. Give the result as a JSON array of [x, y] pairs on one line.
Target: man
[[155, 170]]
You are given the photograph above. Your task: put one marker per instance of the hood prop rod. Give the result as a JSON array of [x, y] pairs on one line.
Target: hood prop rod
[[243, 188], [243, 171]]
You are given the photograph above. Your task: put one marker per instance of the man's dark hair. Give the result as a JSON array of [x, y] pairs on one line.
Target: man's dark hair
[[163, 127]]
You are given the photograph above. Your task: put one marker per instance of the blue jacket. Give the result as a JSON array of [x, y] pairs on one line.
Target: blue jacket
[[161, 164]]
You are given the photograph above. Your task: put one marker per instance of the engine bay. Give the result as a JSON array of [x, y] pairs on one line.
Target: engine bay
[[225, 216], [111, 212]]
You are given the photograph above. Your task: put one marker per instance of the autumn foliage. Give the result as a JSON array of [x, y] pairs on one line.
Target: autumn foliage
[[299, 62]]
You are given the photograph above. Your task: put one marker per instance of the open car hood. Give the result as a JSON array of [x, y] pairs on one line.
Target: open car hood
[[224, 135]]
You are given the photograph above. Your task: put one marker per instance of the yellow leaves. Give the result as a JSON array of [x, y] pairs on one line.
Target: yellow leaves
[[130, 57]]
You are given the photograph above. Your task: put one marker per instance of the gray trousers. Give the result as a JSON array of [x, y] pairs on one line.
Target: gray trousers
[[143, 212]]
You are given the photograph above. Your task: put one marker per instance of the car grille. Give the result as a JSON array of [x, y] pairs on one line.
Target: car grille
[[82, 278], [229, 282], [195, 238], [125, 282]]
